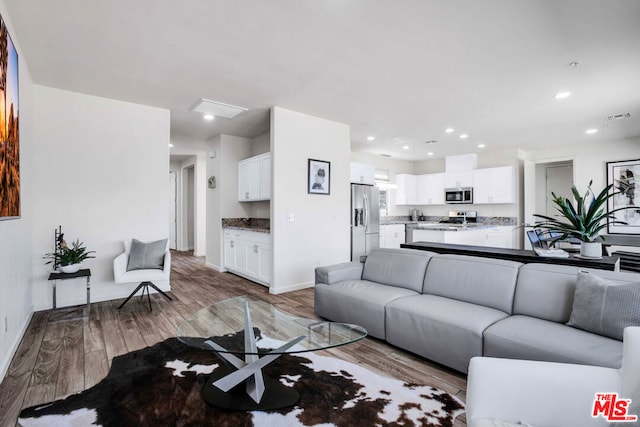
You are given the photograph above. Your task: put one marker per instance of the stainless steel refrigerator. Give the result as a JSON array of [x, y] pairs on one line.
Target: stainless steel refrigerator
[[365, 220]]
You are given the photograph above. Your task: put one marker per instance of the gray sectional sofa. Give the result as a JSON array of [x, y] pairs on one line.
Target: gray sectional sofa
[[450, 308]]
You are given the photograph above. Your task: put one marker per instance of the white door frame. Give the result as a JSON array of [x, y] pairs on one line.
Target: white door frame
[[530, 191], [173, 222]]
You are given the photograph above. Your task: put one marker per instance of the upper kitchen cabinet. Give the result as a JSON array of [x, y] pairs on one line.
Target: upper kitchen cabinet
[[254, 178], [458, 179], [363, 173], [406, 191], [494, 185], [430, 189]]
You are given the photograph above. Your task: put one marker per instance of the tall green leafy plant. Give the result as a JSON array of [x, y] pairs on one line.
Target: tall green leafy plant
[[584, 219]]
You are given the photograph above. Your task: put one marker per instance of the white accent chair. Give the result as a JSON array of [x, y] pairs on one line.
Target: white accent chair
[[144, 276], [509, 392]]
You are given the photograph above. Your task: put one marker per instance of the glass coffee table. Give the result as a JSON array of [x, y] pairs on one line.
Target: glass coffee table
[[221, 328]]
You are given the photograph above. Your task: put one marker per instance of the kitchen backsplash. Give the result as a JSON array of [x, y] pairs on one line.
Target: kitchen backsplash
[[263, 223], [493, 220]]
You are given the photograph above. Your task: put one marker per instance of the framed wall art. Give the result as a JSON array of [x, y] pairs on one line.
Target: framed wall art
[[625, 177], [318, 177], [9, 128]]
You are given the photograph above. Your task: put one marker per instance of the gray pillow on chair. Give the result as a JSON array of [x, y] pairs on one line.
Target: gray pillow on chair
[[604, 307], [147, 255]]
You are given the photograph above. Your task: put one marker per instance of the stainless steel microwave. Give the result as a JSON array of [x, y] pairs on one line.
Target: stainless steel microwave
[[458, 195]]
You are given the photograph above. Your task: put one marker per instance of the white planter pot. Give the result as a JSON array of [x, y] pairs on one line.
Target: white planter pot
[[591, 249], [71, 268]]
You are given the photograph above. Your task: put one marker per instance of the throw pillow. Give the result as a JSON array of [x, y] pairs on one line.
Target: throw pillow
[[147, 255], [604, 307]]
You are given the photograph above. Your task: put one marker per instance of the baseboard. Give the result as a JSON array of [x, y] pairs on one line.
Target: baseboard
[[290, 288], [215, 267], [14, 347]]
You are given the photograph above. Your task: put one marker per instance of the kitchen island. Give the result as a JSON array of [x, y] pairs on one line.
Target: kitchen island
[[605, 263]]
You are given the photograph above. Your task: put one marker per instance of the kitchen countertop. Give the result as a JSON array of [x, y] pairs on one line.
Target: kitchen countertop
[[452, 227], [260, 225]]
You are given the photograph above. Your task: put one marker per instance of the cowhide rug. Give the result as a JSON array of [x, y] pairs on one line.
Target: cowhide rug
[[161, 386]]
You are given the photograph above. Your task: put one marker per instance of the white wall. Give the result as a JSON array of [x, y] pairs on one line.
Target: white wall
[[394, 167], [222, 202], [100, 169], [319, 234], [16, 242], [590, 159]]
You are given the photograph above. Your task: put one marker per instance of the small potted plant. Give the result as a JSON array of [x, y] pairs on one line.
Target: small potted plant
[[69, 258], [585, 219]]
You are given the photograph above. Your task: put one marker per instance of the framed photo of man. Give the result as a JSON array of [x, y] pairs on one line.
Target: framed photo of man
[[318, 177], [625, 177]]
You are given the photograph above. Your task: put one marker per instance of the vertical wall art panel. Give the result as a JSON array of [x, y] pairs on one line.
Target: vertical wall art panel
[[9, 128]]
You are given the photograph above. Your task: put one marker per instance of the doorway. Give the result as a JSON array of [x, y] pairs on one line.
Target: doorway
[[541, 178], [188, 208]]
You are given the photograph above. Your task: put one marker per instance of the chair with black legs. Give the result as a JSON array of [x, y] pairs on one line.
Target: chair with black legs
[[145, 263]]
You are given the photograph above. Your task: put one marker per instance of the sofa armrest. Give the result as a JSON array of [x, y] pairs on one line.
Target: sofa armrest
[[536, 393], [339, 272]]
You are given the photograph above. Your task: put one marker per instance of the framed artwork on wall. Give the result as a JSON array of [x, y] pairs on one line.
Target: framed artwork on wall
[[625, 177], [9, 128], [318, 177]]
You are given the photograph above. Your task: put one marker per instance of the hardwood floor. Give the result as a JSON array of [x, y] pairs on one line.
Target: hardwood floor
[[58, 358]]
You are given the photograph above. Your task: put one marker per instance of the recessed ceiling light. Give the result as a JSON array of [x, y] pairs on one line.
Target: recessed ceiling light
[[370, 138], [170, 145], [449, 130], [405, 147], [209, 117], [430, 153], [464, 136], [481, 145], [562, 95], [591, 131]]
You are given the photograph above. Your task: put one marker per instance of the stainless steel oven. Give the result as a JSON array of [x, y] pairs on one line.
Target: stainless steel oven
[[458, 195]]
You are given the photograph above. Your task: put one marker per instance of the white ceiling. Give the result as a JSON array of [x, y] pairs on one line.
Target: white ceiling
[[401, 71]]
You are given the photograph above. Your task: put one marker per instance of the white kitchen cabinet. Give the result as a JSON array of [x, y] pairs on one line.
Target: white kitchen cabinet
[[265, 176], [494, 185], [501, 237], [248, 254], [430, 189], [458, 179], [392, 235], [363, 173], [436, 236], [406, 191], [254, 178]]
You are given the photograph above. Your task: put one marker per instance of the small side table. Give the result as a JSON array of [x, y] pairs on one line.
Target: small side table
[[55, 276]]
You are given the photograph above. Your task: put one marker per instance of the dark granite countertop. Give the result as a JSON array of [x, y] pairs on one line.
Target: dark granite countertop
[[260, 225]]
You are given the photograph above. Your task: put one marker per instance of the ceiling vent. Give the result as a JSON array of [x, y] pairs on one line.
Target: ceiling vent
[[385, 155], [432, 141], [618, 117], [218, 109]]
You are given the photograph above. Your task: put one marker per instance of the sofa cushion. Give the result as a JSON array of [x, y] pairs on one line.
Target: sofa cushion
[[397, 267], [484, 281], [545, 291], [604, 307], [441, 329], [357, 301], [530, 338]]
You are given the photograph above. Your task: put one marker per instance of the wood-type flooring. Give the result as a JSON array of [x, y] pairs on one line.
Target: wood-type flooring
[[58, 358]]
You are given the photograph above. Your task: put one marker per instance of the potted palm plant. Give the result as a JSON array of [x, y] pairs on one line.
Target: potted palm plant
[[68, 258], [583, 220]]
